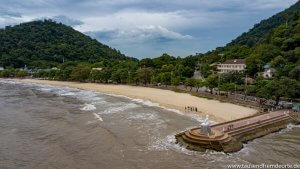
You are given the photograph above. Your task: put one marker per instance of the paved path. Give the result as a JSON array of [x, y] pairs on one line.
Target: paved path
[[248, 121]]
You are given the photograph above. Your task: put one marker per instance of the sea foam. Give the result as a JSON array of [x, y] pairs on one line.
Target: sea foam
[[88, 107], [152, 104], [119, 108], [169, 143], [97, 117]]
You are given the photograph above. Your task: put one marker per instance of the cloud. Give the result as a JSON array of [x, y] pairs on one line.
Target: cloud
[[66, 20], [6, 13], [9, 17], [140, 34], [146, 41]]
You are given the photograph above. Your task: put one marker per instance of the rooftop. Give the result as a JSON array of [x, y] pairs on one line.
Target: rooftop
[[235, 61]]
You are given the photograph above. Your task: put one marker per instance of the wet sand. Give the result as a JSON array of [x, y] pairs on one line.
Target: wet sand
[[217, 111]]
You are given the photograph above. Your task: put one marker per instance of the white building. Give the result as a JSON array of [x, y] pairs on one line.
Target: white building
[[268, 72], [234, 65], [1, 68], [97, 69]]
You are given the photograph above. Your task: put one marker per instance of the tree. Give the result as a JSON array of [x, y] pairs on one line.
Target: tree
[[190, 82], [199, 83], [132, 77], [279, 62], [64, 74], [237, 52], [233, 77], [96, 75], [295, 73], [266, 52], [80, 73], [156, 79], [147, 62], [278, 88], [106, 74], [120, 76], [205, 70], [167, 68], [166, 78], [175, 81], [249, 90], [212, 82], [145, 75], [21, 74], [227, 87], [8, 73], [178, 70], [291, 43], [254, 64], [42, 74], [188, 72], [165, 59], [262, 54]]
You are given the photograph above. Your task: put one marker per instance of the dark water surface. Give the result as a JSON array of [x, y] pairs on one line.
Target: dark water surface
[[45, 127]]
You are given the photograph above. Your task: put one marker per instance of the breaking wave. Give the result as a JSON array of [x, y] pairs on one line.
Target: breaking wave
[[119, 108], [97, 117], [88, 107]]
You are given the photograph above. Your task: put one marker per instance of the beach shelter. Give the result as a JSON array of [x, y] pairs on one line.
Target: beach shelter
[[296, 107]]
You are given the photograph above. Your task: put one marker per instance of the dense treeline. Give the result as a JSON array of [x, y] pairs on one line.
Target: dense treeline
[[47, 44], [164, 69]]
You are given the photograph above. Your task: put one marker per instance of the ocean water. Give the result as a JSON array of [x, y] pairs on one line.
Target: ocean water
[[45, 127]]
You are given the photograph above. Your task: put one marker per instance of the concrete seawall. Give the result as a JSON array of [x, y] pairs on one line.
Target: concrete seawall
[[230, 136]]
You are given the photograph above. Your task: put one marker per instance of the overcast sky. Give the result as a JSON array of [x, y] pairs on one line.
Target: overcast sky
[[148, 28]]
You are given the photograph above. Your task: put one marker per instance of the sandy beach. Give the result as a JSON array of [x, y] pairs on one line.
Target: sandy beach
[[217, 111]]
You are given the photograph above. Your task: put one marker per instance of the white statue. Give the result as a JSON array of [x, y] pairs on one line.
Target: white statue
[[205, 127], [205, 121]]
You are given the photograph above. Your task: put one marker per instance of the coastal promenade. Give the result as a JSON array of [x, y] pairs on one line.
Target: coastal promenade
[[230, 136]]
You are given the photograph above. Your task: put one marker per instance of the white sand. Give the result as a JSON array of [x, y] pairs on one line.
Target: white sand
[[217, 111]]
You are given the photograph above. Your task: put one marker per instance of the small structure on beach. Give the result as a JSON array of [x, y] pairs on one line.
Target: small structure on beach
[[296, 107], [230, 136]]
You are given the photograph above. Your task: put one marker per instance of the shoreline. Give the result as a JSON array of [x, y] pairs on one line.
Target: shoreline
[[217, 111]]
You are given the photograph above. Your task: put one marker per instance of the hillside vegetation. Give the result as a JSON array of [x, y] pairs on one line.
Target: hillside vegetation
[[275, 41], [259, 31], [46, 43]]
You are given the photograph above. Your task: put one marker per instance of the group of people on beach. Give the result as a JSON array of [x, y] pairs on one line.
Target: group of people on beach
[[191, 108]]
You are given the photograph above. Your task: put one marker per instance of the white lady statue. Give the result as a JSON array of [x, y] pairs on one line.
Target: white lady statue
[[205, 127]]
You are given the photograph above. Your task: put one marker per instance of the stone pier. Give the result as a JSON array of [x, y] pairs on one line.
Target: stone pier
[[230, 136]]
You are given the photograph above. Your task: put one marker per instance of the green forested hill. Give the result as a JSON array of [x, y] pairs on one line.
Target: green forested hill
[[274, 41], [258, 32], [46, 43]]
